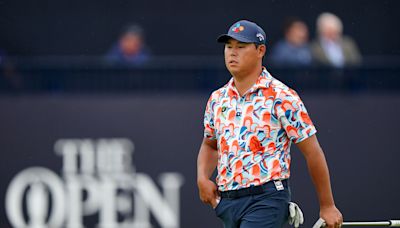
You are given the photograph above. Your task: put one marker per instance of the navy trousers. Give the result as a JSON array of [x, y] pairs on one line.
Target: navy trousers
[[268, 209]]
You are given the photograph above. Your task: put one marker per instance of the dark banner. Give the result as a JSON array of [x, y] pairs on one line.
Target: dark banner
[[130, 161]]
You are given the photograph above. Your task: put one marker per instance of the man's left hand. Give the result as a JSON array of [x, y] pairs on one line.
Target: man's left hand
[[332, 217]]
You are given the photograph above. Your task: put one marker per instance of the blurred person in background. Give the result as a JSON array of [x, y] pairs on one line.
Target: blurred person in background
[[332, 48], [130, 48], [293, 49]]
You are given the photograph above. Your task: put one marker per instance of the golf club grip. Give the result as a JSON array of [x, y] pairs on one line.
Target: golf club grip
[[394, 223]]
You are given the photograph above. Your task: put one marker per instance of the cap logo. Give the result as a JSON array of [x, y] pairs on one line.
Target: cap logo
[[260, 37], [237, 28]]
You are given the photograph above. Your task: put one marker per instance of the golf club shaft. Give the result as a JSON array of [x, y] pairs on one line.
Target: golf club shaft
[[385, 223]]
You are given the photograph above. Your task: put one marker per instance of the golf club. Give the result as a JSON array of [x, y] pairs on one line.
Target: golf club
[[389, 223]]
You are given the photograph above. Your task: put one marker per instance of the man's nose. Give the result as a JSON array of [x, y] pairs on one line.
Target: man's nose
[[233, 52]]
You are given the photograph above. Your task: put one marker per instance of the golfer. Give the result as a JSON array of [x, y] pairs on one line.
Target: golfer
[[249, 125]]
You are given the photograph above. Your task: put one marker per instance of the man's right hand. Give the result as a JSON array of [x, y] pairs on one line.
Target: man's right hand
[[208, 192]]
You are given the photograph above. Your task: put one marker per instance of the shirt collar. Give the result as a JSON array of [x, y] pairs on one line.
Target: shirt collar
[[262, 82]]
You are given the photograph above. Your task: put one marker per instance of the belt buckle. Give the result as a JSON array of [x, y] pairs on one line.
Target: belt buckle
[[279, 185]]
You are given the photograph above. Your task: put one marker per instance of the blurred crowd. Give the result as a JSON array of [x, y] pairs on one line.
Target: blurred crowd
[[329, 48]]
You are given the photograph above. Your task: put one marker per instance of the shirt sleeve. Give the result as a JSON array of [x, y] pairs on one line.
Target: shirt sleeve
[[209, 129], [293, 116]]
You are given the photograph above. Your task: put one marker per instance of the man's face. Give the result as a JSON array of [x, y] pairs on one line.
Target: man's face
[[297, 34], [130, 44], [242, 57], [331, 31]]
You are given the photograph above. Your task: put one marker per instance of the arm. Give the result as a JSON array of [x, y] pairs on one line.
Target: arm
[[319, 172], [206, 164]]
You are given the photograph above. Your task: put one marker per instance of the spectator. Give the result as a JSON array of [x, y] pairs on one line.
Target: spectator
[[331, 48], [130, 48], [294, 49]]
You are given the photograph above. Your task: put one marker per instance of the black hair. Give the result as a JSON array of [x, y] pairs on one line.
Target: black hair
[[289, 22]]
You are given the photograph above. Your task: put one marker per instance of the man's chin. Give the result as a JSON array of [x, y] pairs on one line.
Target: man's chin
[[233, 69]]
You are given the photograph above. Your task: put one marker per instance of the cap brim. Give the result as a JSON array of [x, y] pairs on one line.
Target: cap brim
[[225, 37]]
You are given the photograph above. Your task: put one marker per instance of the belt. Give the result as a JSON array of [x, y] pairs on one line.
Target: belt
[[255, 190]]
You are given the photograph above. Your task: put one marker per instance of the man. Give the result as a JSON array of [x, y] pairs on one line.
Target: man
[[293, 50], [249, 126], [332, 48], [130, 48]]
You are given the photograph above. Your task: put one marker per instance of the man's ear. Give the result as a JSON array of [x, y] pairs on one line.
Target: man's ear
[[262, 49]]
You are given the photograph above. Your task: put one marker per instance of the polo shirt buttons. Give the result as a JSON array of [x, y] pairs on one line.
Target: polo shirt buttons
[[238, 109]]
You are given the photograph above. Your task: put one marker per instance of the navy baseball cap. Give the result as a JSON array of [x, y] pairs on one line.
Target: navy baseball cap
[[244, 31]]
